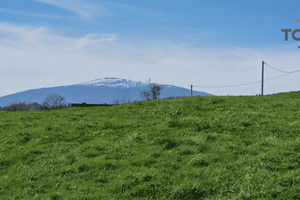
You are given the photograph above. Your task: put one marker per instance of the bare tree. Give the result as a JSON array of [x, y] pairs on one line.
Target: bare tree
[[126, 96], [145, 95], [54, 101], [116, 101]]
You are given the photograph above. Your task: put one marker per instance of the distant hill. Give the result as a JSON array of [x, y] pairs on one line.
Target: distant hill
[[105, 90]]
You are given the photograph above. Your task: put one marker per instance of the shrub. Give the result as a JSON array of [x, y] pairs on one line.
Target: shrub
[[153, 92]]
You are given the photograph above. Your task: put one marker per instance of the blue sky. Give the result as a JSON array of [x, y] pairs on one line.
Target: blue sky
[[46, 43]]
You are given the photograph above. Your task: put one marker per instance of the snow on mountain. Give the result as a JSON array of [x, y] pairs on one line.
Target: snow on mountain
[[113, 82], [105, 90]]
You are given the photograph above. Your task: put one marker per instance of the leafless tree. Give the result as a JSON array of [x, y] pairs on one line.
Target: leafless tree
[[145, 95], [116, 101], [125, 96], [54, 101]]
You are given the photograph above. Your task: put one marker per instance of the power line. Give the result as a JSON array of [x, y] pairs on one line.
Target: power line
[[220, 86], [287, 72], [249, 83], [283, 75]]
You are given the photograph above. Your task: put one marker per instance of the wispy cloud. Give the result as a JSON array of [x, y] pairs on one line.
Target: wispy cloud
[[38, 57], [29, 14], [93, 40], [83, 9], [28, 37], [44, 38], [124, 6]]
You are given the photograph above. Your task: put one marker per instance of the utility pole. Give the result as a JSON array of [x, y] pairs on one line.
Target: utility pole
[[262, 78], [191, 90]]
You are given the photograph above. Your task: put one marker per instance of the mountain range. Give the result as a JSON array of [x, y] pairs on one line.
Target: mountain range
[[99, 91]]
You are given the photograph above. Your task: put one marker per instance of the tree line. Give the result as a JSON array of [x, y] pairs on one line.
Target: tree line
[[55, 101]]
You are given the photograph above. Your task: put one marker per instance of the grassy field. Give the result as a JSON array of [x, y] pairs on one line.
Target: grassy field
[[182, 148]]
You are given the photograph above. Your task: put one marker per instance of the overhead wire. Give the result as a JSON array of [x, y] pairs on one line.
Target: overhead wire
[[287, 72], [254, 82]]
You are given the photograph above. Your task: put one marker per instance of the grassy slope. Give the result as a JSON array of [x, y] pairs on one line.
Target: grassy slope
[[183, 148]]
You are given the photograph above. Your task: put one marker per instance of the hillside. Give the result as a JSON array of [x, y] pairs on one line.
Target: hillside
[[99, 91], [181, 148]]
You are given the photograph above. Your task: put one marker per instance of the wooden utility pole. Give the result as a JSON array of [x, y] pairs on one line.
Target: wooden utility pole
[[262, 78], [191, 90]]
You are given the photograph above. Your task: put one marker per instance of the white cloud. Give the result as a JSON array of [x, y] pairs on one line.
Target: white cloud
[[41, 38], [93, 40], [82, 9], [35, 57]]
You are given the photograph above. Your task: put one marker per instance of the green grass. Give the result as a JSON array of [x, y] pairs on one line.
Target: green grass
[[181, 148]]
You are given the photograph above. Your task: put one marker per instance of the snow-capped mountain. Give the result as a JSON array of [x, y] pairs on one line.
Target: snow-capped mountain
[[105, 90], [113, 82]]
